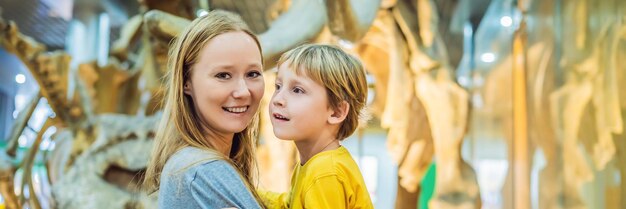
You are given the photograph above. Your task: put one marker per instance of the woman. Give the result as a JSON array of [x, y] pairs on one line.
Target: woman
[[203, 155]]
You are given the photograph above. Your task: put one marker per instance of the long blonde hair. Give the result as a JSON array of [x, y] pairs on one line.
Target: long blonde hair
[[180, 126]]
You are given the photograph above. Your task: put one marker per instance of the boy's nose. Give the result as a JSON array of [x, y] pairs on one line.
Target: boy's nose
[[278, 103], [277, 100]]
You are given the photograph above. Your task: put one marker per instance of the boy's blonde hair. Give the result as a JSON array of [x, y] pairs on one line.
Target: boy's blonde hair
[[340, 73]]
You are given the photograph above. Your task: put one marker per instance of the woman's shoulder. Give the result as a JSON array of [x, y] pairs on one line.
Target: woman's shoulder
[[195, 178], [189, 159]]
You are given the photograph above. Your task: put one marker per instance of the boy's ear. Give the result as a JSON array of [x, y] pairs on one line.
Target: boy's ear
[[340, 113], [187, 88]]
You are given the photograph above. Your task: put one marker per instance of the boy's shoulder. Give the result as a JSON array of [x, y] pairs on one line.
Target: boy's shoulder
[[334, 162]]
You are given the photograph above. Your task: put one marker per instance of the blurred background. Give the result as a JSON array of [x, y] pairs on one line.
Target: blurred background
[[475, 103]]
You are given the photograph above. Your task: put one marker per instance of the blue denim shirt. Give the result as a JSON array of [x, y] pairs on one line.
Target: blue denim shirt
[[196, 178]]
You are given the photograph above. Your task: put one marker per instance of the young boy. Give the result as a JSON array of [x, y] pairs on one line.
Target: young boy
[[320, 92]]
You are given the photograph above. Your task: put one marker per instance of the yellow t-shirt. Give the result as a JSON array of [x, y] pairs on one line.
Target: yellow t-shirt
[[330, 179]]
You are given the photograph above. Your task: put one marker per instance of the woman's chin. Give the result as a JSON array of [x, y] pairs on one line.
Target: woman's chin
[[236, 129]]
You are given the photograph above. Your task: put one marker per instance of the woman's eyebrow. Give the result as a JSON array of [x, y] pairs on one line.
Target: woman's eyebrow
[[255, 65], [221, 66]]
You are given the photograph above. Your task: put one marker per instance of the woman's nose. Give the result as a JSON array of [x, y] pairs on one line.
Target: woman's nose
[[241, 90]]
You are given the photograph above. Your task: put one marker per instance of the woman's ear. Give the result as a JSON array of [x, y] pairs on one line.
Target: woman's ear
[[340, 113], [187, 88]]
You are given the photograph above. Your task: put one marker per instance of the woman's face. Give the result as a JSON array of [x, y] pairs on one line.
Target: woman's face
[[226, 84]]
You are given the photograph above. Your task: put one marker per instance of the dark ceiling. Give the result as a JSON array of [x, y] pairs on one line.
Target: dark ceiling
[[47, 21]]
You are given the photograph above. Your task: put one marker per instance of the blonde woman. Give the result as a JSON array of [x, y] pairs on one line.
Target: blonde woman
[[203, 155]]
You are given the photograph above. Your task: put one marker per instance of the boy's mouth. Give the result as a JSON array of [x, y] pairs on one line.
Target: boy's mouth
[[236, 109], [280, 117]]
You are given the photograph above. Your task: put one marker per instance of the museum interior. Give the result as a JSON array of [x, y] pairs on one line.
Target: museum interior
[[492, 104]]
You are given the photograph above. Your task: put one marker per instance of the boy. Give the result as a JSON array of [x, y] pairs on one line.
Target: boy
[[320, 92]]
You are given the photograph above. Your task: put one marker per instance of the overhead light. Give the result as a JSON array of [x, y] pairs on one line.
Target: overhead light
[[506, 21], [201, 13], [488, 57], [345, 44], [20, 78]]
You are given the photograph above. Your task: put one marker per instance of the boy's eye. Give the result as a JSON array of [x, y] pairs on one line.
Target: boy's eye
[[254, 74], [277, 86], [223, 75], [298, 90]]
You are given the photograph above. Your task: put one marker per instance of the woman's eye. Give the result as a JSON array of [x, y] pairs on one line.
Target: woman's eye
[[254, 74], [223, 76]]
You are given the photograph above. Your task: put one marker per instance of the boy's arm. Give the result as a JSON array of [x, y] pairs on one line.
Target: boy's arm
[[327, 192], [274, 200]]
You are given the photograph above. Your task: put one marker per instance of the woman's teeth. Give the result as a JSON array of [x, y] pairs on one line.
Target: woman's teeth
[[236, 109]]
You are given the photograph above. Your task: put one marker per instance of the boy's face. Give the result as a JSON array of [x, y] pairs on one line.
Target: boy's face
[[299, 107]]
